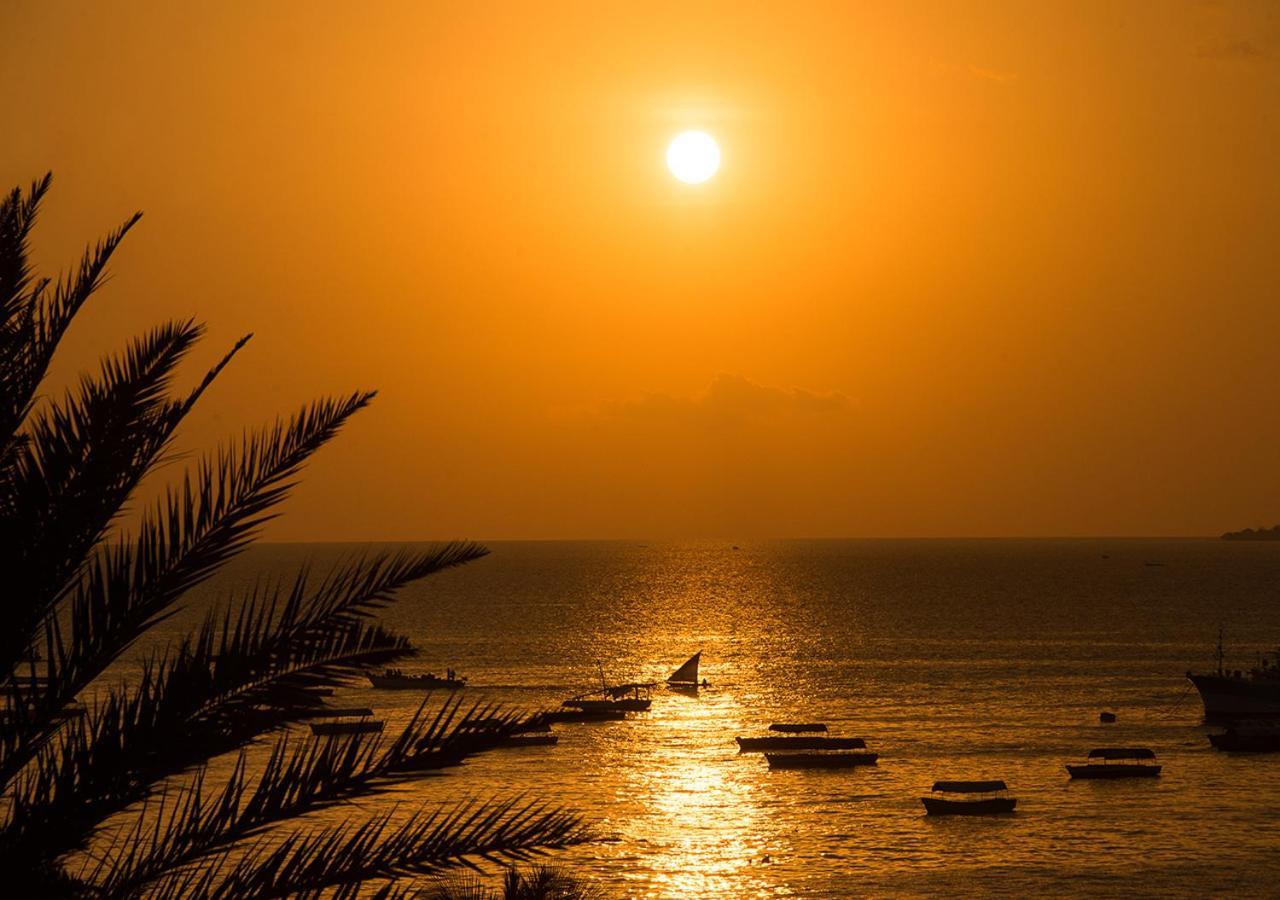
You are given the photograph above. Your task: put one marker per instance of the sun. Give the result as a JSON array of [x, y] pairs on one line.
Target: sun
[[693, 156]]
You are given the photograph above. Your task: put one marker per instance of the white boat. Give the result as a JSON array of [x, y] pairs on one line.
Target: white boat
[[686, 677]]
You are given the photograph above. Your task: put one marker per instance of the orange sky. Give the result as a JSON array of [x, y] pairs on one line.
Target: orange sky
[[970, 269]]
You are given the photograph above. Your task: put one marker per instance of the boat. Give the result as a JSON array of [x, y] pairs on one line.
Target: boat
[[1248, 737], [797, 727], [1106, 717], [798, 742], [363, 726], [686, 677], [630, 697], [1118, 762], [969, 798], [820, 760], [1232, 695], [395, 680]]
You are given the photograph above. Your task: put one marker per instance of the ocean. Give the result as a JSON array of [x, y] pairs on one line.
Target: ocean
[[953, 659]]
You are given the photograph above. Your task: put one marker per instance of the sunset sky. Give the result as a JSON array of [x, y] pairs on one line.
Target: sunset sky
[[966, 269]]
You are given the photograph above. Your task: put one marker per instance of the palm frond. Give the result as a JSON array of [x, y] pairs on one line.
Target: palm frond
[[428, 841], [129, 587], [298, 782], [77, 466]]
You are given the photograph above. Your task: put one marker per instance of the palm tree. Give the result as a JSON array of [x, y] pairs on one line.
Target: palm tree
[[115, 777]]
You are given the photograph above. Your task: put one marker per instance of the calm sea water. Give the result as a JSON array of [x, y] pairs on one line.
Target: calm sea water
[[953, 659]]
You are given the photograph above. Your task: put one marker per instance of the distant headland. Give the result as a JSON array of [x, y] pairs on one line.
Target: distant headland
[[1254, 534]]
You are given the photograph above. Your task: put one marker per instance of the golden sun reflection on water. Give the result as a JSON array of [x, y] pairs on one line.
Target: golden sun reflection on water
[[705, 824]]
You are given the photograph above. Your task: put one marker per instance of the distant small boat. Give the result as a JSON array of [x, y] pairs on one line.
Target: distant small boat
[[757, 744], [1248, 737], [364, 726], [820, 760], [1118, 762], [395, 680], [686, 677], [797, 727], [1106, 717], [969, 798]]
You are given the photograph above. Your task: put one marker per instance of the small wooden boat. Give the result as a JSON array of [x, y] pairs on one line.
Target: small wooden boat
[[799, 742], [797, 727], [544, 739], [395, 680], [685, 678], [1106, 717], [1117, 762], [820, 760], [1248, 737], [364, 726], [969, 798], [630, 697]]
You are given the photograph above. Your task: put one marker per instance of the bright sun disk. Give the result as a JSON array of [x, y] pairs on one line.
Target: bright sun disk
[[693, 156]]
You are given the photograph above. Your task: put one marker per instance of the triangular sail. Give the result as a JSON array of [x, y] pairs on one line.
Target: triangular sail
[[688, 673]]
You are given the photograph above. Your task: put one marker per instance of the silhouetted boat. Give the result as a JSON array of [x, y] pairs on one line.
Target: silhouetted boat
[[799, 742], [630, 697], [1118, 762], [1106, 717], [1230, 695], [686, 677], [969, 798], [364, 726], [1248, 737], [395, 680], [820, 760], [797, 727]]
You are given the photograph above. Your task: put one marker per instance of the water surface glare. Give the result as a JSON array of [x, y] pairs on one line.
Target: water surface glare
[[953, 659]]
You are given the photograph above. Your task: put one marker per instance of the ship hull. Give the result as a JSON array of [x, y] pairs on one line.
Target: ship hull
[[1226, 698]]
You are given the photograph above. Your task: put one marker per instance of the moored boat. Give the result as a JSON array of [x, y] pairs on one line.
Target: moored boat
[[1248, 737], [969, 798], [630, 697], [820, 760], [395, 680], [1229, 695], [363, 726], [799, 742], [1117, 762]]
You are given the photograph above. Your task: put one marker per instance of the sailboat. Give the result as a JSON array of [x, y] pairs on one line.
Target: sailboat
[[685, 678]]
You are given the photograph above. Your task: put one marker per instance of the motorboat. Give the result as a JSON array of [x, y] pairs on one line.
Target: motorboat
[[1248, 737], [820, 760], [969, 798], [798, 742], [1117, 762]]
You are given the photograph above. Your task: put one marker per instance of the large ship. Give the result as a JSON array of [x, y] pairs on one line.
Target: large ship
[[1230, 695]]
